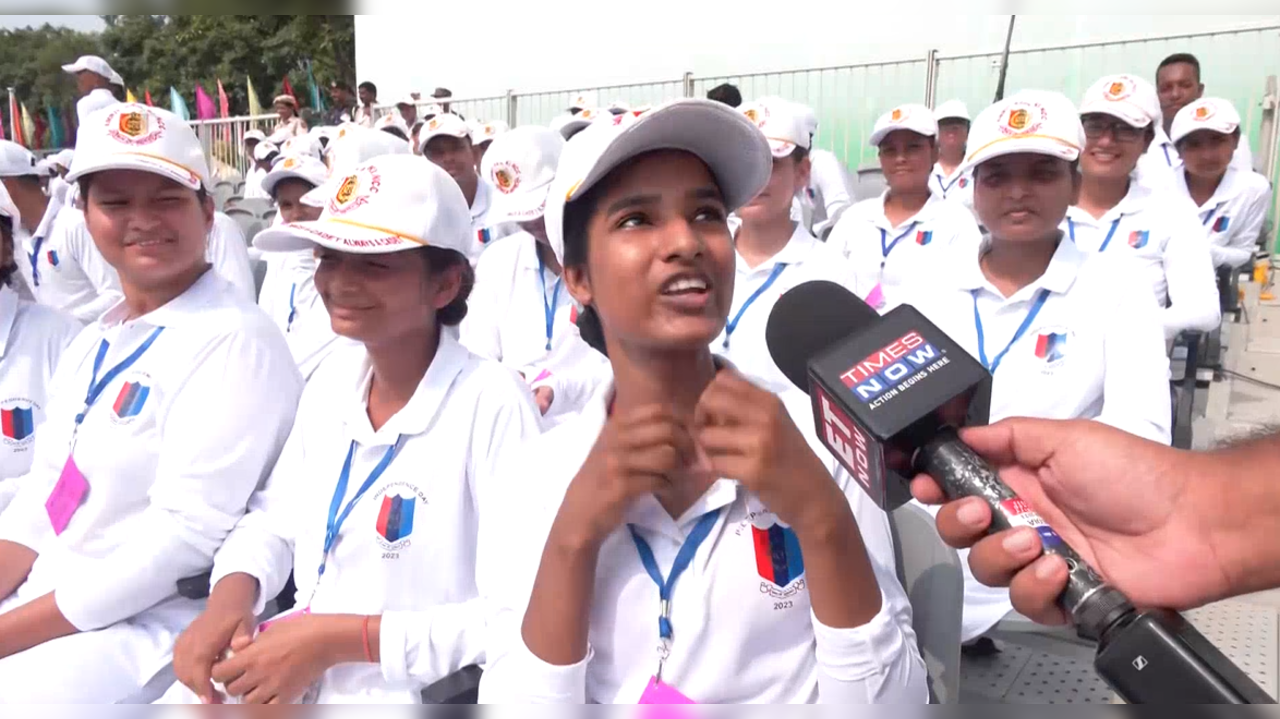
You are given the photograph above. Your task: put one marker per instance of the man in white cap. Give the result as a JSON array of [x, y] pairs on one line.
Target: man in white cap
[[446, 141], [827, 196], [949, 180], [408, 109], [264, 153], [253, 177], [393, 123], [1118, 217], [93, 82], [1232, 202], [59, 262]]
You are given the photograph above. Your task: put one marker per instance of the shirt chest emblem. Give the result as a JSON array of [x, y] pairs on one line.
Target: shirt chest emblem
[[777, 555], [131, 400], [1051, 347], [17, 422], [397, 504], [1138, 239]]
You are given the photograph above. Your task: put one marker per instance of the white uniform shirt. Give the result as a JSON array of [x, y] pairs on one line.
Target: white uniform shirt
[[827, 196], [32, 338], [30, 247], [506, 321], [803, 259], [417, 572], [956, 186], [1161, 163], [229, 254], [1233, 216], [891, 256], [172, 450], [739, 636], [485, 233], [97, 99], [253, 184], [1094, 350], [74, 277], [1161, 232], [290, 299]]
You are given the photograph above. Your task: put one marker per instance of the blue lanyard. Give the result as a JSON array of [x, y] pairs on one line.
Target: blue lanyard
[[683, 558], [549, 308], [35, 260], [293, 311], [96, 386], [947, 187], [1205, 220], [336, 520], [885, 249], [993, 365], [1168, 160], [1071, 230], [733, 323]]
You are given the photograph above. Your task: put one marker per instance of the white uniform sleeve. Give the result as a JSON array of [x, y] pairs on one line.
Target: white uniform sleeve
[[1242, 158], [833, 183], [101, 275], [1244, 237], [229, 254], [1188, 270], [209, 466], [428, 645], [1135, 393]]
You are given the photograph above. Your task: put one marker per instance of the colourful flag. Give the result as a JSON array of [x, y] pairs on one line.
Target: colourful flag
[[147, 97], [317, 100], [288, 89], [56, 138], [15, 119], [28, 128], [255, 107], [39, 139], [129, 96], [224, 105], [204, 104], [177, 105]]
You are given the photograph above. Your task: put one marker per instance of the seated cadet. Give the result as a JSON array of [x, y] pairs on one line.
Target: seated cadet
[[773, 252], [892, 238], [827, 196], [61, 267], [253, 177], [948, 180], [395, 438], [228, 252], [144, 463], [1065, 334], [682, 491], [446, 141], [32, 338], [1232, 201], [1116, 215], [520, 314], [288, 291]]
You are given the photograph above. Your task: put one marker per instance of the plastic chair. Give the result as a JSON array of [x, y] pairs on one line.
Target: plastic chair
[[869, 182], [933, 578], [223, 192]]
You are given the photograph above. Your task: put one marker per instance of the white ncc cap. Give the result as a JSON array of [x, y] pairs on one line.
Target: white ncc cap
[[129, 136], [951, 109], [486, 132], [1033, 121], [731, 145], [521, 164], [258, 135], [569, 125], [16, 160], [1125, 97], [782, 123], [913, 118], [295, 167], [445, 123], [93, 64], [389, 204], [1207, 113], [263, 150], [353, 145]]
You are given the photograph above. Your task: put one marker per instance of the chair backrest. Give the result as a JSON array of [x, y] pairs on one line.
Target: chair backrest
[[869, 182], [933, 578], [223, 193]]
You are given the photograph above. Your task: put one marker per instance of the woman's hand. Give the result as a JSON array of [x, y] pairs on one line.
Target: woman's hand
[[205, 642], [283, 662], [748, 435], [544, 396]]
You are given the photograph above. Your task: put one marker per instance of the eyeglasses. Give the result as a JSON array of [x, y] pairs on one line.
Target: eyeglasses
[[1096, 127]]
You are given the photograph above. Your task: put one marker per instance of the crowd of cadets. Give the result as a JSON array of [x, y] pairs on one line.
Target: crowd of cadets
[[504, 398]]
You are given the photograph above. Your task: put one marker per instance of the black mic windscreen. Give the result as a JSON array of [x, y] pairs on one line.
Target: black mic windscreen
[[808, 319]]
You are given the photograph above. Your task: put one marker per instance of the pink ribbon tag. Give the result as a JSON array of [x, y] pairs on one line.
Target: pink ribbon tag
[[66, 497], [659, 693], [541, 376], [875, 298]]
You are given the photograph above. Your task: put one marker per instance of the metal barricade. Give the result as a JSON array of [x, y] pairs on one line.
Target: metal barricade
[[223, 142]]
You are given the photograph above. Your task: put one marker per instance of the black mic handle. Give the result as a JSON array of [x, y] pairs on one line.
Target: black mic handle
[[1092, 604]]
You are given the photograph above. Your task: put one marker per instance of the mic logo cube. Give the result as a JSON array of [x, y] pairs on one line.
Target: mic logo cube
[[842, 436], [884, 369]]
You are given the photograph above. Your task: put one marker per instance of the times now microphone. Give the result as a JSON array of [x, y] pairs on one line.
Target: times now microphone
[[893, 387]]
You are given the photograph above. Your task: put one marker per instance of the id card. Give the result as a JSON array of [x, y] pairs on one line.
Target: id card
[[66, 497], [659, 693]]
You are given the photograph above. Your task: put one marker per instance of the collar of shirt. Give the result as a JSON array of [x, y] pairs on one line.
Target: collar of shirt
[[926, 213], [8, 315], [1227, 189], [416, 416], [187, 307], [938, 172], [1137, 199], [1058, 277], [794, 252]]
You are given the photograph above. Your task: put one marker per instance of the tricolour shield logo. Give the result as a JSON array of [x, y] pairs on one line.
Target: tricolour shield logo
[[778, 557], [395, 518]]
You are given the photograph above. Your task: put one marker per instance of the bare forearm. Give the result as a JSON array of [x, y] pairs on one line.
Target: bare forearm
[[31, 625], [556, 624], [842, 585], [1241, 506], [235, 592], [16, 562], [345, 636]]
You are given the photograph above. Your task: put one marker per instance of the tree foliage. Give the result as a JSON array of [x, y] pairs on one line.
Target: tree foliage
[[158, 51]]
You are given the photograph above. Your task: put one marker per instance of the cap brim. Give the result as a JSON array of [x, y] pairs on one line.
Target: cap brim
[[73, 68], [966, 118], [1112, 109], [275, 178], [340, 235], [1037, 145], [730, 144], [781, 148], [424, 139], [525, 206], [168, 169]]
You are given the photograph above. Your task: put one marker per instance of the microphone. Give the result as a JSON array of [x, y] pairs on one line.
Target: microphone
[[897, 386]]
